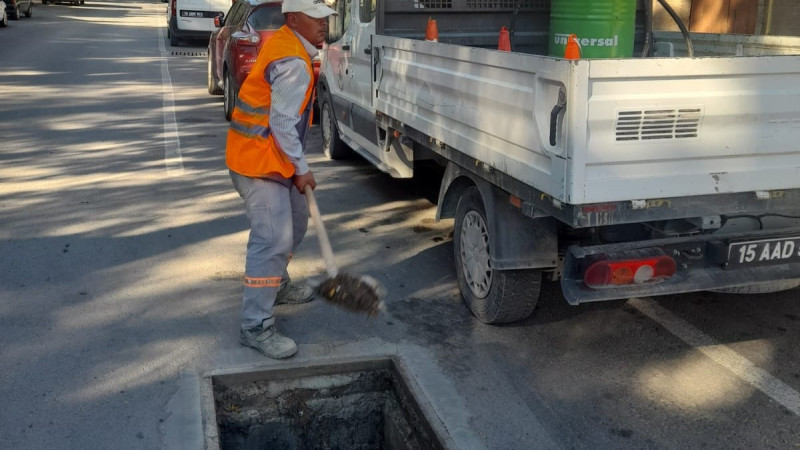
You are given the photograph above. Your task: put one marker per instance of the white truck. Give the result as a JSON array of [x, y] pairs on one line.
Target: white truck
[[650, 175]]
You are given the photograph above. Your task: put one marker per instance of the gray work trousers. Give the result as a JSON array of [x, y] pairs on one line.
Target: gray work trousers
[[278, 216]]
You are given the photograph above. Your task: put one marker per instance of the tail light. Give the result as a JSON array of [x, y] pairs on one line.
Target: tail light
[[610, 273], [174, 7], [246, 39]]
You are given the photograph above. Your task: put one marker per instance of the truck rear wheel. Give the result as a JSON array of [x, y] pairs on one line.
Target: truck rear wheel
[[493, 296], [332, 146]]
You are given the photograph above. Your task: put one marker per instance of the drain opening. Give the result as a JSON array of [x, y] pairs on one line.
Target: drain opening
[[354, 405]]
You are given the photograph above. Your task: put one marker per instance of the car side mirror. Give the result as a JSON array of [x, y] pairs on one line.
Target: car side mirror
[[219, 20]]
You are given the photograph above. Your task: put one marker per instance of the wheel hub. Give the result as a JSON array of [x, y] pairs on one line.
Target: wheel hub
[[475, 261]]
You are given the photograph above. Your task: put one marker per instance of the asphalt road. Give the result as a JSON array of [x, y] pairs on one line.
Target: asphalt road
[[122, 247]]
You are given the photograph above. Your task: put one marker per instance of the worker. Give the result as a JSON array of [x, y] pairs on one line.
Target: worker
[[266, 160]]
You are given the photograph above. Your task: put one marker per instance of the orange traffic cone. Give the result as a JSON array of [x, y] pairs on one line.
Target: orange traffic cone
[[432, 32], [573, 50], [504, 42]]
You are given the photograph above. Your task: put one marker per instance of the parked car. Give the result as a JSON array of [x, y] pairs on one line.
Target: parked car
[[16, 8], [234, 45], [193, 19]]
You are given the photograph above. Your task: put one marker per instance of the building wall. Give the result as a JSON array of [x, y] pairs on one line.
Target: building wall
[[783, 19], [663, 21], [773, 17]]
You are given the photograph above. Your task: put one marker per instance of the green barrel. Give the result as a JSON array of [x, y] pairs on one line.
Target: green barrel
[[605, 28]]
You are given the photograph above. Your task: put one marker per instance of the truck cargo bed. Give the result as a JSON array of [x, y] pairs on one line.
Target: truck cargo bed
[[633, 129]]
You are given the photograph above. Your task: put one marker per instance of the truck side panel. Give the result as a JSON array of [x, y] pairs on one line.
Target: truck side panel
[[493, 106], [657, 128]]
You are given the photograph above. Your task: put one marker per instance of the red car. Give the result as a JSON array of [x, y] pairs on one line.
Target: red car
[[233, 47]]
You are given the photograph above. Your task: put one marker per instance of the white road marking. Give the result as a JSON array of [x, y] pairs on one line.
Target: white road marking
[[173, 159], [721, 354]]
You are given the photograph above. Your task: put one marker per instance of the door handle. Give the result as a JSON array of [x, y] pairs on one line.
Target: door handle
[[368, 51], [561, 105], [346, 47]]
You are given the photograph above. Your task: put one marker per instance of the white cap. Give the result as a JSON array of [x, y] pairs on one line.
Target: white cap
[[312, 8]]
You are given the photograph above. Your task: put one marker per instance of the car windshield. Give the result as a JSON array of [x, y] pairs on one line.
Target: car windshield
[[266, 18]]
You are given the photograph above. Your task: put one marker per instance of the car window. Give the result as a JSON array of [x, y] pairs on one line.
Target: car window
[[234, 14], [367, 10], [338, 24], [238, 14], [266, 18]]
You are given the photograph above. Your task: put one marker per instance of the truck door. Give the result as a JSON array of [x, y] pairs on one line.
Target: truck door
[[361, 62], [349, 70]]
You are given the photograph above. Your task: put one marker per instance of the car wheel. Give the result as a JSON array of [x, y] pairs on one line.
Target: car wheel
[[493, 296], [82, 2], [230, 93], [29, 12], [213, 87], [332, 145], [4, 21], [173, 40], [15, 15]]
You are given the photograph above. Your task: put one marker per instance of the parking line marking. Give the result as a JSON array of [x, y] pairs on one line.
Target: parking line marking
[[721, 354], [173, 159]]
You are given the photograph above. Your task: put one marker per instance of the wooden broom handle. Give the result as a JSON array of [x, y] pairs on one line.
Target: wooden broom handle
[[324, 243]]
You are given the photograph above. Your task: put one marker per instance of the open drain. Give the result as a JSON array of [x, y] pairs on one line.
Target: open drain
[[197, 54], [358, 405]]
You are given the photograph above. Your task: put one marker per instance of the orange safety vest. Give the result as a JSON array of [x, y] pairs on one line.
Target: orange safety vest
[[251, 149]]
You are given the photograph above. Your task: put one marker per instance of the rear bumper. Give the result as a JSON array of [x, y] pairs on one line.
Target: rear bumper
[[186, 34], [701, 262]]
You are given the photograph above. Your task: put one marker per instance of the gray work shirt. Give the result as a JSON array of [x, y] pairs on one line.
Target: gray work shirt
[[287, 76]]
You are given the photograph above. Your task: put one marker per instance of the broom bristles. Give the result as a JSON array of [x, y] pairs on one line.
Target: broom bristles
[[357, 294]]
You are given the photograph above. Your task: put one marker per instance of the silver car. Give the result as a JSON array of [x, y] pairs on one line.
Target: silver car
[[16, 8]]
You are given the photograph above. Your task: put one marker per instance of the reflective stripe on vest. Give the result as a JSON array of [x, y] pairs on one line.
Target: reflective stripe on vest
[[251, 131], [251, 149]]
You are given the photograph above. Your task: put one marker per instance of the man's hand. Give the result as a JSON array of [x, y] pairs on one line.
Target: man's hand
[[300, 181]]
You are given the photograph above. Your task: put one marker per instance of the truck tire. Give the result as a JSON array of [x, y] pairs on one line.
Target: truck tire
[[761, 288], [493, 296], [332, 145], [213, 87]]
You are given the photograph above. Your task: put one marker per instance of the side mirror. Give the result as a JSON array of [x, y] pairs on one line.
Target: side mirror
[[219, 20]]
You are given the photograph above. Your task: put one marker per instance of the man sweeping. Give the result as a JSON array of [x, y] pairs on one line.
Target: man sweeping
[[265, 157]]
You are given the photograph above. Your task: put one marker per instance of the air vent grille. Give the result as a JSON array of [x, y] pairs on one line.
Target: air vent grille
[[646, 125], [509, 4]]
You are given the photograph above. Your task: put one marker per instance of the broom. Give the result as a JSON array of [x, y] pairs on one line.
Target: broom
[[361, 294]]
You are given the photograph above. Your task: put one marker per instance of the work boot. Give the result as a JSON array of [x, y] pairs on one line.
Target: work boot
[[293, 294], [268, 341]]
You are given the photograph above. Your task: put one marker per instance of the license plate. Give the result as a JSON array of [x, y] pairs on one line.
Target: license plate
[[202, 14], [764, 251]]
